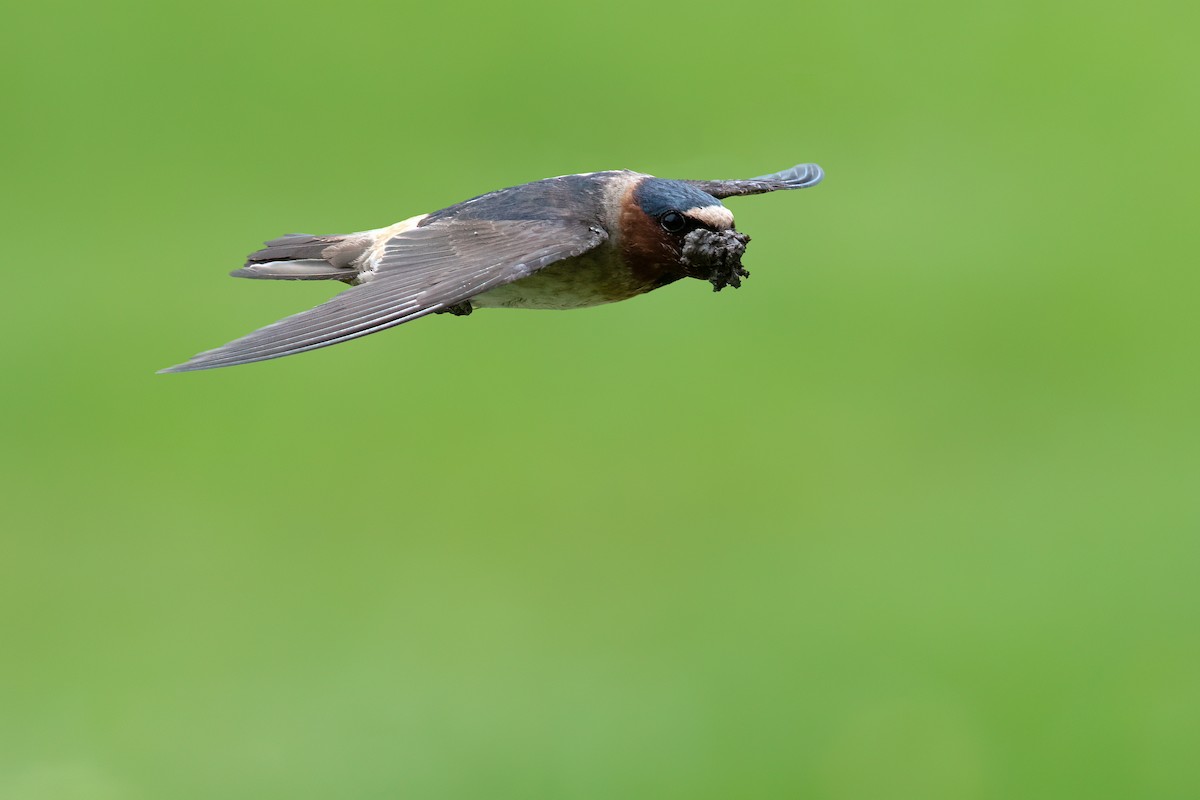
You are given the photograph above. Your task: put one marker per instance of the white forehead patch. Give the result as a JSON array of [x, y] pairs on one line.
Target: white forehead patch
[[712, 216]]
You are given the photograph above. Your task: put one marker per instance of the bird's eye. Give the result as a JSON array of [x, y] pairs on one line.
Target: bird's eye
[[672, 222]]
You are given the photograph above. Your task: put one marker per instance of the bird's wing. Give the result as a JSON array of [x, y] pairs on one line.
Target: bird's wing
[[422, 270], [800, 176]]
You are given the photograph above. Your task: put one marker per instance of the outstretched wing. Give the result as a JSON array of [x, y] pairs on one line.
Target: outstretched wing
[[800, 176], [422, 270]]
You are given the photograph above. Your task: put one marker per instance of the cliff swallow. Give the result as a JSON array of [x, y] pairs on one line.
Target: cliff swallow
[[567, 242]]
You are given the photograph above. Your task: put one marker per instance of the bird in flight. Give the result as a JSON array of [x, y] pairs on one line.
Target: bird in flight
[[566, 242]]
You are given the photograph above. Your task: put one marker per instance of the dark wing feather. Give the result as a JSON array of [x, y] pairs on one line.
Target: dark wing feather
[[422, 270], [800, 176]]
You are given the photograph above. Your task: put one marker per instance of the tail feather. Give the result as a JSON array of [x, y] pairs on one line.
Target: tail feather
[[304, 269], [304, 257], [294, 245]]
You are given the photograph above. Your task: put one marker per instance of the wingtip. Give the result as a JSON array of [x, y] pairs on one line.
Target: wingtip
[[173, 369], [802, 176], [191, 365], [198, 363]]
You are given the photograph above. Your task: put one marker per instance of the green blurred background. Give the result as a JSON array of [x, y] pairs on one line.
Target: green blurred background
[[913, 514]]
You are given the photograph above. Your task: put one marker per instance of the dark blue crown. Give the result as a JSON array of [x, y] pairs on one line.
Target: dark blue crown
[[657, 196]]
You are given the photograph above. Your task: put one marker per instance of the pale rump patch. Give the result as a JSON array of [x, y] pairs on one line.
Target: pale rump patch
[[718, 217], [380, 237]]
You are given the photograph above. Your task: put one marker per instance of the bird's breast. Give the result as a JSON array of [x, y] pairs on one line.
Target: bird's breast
[[596, 277]]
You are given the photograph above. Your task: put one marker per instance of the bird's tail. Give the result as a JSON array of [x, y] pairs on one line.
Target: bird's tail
[[302, 257]]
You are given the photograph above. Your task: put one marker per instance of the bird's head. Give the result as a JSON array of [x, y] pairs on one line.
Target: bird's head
[[673, 225]]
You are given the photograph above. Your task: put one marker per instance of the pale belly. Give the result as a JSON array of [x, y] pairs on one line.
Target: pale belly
[[587, 280]]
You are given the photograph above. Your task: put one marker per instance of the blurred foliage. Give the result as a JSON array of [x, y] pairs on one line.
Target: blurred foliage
[[913, 514]]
